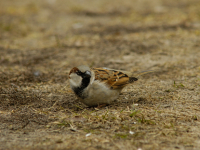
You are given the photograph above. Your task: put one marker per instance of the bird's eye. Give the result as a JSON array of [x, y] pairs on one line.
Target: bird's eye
[[78, 73]]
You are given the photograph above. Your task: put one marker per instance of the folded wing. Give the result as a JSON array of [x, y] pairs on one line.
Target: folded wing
[[115, 79]]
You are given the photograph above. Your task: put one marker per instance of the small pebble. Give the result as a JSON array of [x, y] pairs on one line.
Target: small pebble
[[88, 134], [131, 132], [37, 73]]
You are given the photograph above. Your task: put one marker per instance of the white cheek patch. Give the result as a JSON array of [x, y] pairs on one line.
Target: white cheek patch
[[75, 80]]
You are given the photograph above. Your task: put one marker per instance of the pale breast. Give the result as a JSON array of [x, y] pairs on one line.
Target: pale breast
[[99, 93]]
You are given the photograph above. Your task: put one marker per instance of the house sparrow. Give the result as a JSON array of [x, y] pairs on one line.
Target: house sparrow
[[99, 86]]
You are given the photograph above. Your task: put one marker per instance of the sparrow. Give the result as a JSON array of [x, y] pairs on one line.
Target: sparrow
[[99, 86]]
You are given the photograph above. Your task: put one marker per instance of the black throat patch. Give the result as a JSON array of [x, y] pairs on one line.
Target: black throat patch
[[79, 90]]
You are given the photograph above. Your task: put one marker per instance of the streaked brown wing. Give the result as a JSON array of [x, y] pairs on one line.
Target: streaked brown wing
[[114, 79]]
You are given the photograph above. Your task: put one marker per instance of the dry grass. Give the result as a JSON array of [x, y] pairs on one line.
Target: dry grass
[[41, 41]]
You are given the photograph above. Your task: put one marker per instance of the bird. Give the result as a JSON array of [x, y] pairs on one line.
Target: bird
[[99, 86]]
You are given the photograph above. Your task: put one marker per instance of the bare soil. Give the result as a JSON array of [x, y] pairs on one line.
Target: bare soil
[[40, 41]]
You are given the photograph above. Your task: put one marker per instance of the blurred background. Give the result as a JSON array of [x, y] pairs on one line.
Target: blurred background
[[88, 26], [41, 40]]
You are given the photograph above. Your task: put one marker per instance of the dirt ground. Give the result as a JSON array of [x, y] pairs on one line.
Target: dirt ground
[[40, 41]]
